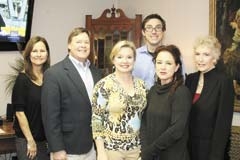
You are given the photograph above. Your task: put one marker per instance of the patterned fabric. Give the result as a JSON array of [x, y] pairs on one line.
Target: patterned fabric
[[116, 115]]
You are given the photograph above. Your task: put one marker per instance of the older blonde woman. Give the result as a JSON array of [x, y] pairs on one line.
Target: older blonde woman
[[212, 104]]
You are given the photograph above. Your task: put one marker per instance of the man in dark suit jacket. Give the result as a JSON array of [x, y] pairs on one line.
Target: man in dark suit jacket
[[66, 101]]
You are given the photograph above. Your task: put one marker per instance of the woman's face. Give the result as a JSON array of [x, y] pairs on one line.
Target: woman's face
[[165, 67], [124, 60], [39, 54], [204, 59]]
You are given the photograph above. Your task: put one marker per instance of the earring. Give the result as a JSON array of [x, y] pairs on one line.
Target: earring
[[113, 68]]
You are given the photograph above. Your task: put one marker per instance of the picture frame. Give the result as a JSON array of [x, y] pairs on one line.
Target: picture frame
[[222, 14], [15, 24]]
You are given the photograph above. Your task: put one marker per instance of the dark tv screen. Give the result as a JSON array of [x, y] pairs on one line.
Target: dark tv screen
[[15, 23]]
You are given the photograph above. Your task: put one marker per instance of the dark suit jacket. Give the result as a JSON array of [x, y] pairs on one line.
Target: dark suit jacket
[[66, 108], [211, 115]]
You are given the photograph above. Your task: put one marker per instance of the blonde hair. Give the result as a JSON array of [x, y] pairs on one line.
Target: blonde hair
[[211, 43], [237, 14], [120, 45]]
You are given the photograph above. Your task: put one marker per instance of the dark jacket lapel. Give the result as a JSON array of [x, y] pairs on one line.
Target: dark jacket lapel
[[75, 77]]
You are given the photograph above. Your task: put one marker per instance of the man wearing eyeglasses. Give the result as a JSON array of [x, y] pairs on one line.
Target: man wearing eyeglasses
[[153, 29]]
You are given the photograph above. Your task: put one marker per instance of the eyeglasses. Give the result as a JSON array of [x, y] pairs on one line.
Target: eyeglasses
[[157, 28]]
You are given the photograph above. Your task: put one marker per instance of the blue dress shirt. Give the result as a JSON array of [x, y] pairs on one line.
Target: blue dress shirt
[[144, 67]]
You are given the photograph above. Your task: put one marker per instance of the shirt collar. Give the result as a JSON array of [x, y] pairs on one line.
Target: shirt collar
[[144, 50], [78, 63]]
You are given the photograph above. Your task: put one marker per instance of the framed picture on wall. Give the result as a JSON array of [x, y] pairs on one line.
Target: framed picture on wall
[[224, 23]]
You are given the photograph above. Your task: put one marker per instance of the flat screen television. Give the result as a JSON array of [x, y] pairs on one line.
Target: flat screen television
[[15, 24]]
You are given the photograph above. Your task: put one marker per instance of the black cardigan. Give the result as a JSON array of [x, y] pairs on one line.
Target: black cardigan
[[211, 115]]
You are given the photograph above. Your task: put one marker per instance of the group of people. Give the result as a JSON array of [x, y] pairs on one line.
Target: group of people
[[145, 109]]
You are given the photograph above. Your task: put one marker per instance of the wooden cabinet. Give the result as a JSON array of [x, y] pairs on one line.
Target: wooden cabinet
[[113, 25]]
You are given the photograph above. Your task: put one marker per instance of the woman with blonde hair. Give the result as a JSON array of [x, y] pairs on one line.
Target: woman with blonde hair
[[118, 102], [212, 102]]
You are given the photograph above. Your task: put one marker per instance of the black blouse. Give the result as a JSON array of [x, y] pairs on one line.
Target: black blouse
[[26, 97]]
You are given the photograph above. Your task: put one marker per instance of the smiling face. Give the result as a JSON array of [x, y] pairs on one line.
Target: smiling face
[[207, 51], [39, 54], [124, 60], [204, 59], [79, 47], [153, 32], [165, 67]]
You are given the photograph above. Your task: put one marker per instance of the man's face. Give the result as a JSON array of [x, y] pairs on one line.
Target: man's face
[[79, 47], [153, 32]]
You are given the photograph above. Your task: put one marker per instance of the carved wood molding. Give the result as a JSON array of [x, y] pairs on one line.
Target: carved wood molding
[[113, 22]]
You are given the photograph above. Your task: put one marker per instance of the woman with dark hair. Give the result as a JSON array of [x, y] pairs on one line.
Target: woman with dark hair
[[164, 127], [26, 95]]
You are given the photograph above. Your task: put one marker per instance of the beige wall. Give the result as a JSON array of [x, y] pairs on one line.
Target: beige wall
[[54, 19], [185, 21]]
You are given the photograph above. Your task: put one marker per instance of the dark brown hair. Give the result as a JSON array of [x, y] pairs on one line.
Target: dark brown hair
[[27, 52], [154, 16], [176, 54]]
